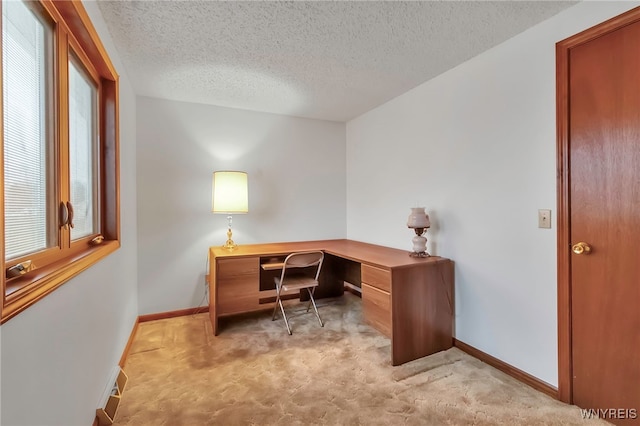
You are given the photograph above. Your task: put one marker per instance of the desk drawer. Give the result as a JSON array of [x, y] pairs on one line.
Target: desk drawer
[[377, 277], [238, 285], [237, 267], [376, 307]]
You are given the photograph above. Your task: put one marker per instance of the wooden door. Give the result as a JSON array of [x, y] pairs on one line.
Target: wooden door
[[599, 141]]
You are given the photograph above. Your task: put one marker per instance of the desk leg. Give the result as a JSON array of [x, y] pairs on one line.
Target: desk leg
[[335, 271], [331, 280], [422, 311], [214, 322], [213, 315]]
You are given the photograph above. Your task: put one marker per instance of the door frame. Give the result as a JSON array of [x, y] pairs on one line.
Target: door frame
[[565, 367]]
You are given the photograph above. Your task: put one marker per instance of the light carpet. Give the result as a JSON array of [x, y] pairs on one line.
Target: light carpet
[[254, 373]]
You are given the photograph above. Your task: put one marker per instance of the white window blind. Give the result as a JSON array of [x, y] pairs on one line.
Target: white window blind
[[82, 152], [26, 142]]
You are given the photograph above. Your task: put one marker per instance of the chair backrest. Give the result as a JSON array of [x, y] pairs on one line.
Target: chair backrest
[[304, 259]]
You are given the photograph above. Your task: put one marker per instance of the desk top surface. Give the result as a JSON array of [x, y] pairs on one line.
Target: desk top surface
[[371, 254]]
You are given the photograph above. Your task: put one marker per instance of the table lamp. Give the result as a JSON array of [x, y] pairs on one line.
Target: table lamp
[[230, 196], [419, 221]]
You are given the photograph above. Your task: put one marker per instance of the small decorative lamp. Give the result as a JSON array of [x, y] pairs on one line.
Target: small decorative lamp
[[419, 221], [230, 195]]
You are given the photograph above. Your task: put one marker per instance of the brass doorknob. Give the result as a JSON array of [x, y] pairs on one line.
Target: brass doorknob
[[581, 248]]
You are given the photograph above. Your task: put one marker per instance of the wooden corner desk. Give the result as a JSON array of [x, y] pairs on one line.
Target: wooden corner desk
[[410, 300]]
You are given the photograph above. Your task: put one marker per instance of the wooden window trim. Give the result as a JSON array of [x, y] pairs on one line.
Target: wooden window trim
[[79, 34], [24, 291]]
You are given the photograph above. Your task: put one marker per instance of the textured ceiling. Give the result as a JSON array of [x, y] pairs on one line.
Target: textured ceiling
[[325, 60]]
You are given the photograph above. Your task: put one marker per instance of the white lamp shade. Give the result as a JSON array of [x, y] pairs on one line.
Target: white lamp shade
[[230, 192], [418, 218]]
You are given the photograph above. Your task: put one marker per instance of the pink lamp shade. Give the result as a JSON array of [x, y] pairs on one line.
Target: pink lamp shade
[[418, 218]]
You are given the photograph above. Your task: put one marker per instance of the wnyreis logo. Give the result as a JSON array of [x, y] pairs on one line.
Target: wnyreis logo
[[609, 413]]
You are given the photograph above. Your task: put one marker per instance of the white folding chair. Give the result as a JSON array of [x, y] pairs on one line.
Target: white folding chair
[[297, 274]]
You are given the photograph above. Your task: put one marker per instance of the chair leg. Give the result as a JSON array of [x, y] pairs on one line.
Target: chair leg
[[309, 304], [275, 309], [315, 308], [285, 317]]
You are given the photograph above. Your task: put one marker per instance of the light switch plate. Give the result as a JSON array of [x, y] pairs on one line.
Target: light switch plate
[[544, 218]]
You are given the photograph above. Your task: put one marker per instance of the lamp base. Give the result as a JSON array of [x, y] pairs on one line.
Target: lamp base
[[229, 244], [419, 244], [419, 254]]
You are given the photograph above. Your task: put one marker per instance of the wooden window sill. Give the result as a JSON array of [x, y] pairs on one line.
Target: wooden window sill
[[24, 291]]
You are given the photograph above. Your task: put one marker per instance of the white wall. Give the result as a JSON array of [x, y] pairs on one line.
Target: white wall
[[297, 189], [476, 146], [58, 354]]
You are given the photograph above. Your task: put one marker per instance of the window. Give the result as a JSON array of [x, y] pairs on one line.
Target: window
[[83, 164], [60, 149], [26, 94]]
